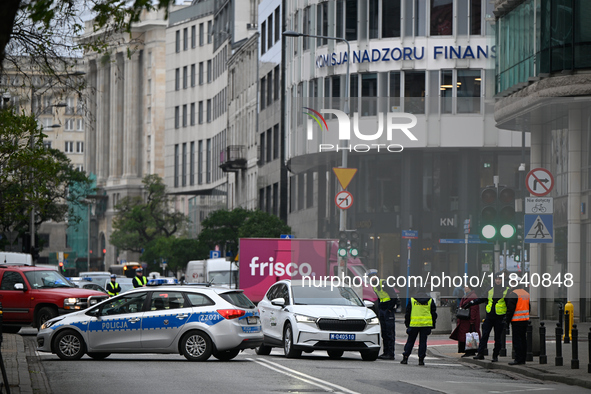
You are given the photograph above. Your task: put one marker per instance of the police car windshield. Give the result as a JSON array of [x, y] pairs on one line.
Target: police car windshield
[[304, 295], [49, 279]]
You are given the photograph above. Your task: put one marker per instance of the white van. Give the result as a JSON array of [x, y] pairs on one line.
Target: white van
[[15, 258]]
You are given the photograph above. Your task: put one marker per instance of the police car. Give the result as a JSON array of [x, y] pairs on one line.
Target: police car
[[196, 322]]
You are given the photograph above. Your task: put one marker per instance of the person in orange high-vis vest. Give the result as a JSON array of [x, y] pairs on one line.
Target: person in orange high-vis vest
[[518, 316]]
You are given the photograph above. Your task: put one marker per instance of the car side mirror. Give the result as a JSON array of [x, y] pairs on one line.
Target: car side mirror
[[368, 304], [94, 312], [278, 302], [19, 286]]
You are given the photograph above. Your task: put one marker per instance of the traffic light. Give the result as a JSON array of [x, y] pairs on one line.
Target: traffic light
[[61, 264], [497, 214], [348, 243], [35, 253]]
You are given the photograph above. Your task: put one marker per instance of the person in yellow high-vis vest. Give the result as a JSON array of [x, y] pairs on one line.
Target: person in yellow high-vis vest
[[113, 288], [139, 280], [518, 316], [496, 309], [420, 319], [388, 301]]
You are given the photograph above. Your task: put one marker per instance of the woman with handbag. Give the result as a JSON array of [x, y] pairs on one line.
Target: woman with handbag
[[468, 320]]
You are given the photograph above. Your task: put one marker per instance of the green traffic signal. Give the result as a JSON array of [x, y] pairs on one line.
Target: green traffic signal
[[488, 231], [342, 252], [507, 231]]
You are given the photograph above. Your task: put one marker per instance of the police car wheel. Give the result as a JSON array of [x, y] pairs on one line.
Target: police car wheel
[[226, 355], [69, 345], [98, 356], [335, 353], [288, 349], [196, 346], [44, 314], [370, 355], [263, 350]]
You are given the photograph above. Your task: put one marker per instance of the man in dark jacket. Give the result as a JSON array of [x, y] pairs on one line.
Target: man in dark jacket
[[113, 287], [420, 318], [496, 309], [388, 301]]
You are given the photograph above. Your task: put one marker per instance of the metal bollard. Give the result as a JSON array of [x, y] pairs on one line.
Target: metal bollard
[[560, 313], [566, 327], [529, 356], [543, 357], [558, 358], [574, 363]]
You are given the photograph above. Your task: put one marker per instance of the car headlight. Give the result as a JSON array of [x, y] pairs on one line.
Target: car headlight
[[72, 303], [50, 323], [305, 319], [373, 320]]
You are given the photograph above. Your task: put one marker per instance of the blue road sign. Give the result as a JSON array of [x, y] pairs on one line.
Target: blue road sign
[[286, 236], [538, 229], [215, 254], [461, 241], [410, 234]]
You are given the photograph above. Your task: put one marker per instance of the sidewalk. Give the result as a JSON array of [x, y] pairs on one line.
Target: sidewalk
[[441, 346], [22, 367]]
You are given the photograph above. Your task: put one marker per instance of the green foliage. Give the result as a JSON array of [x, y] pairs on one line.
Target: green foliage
[[175, 251], [140, 221], [34, 177], [224, 228]]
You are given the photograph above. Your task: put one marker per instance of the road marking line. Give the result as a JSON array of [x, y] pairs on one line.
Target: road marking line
[[522, 390], [307, 377]]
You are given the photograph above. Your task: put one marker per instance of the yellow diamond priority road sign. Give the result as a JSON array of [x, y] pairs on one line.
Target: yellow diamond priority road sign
[[344, 175]]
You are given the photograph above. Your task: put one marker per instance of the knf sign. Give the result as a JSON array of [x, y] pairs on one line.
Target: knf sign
[[447, 222]]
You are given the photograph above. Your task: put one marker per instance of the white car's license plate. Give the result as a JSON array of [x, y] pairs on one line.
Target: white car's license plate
[[342, 337], [251, 320]]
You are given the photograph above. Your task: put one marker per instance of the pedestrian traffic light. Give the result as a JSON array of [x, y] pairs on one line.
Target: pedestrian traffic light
[[348, 243]]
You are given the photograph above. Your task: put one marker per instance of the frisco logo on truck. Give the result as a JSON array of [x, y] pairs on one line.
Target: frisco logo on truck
[[271, 268]]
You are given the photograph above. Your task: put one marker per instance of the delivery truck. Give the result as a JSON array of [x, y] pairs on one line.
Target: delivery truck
[[264, 261], [219, 272]]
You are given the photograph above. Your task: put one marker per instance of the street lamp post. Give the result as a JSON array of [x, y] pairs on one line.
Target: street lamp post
[[344, 151]]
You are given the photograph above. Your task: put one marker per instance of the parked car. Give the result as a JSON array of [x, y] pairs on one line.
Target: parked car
[[302, 318], [196, 322], [33, 295]]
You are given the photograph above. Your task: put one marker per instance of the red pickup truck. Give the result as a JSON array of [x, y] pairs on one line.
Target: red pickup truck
[[32, 295]]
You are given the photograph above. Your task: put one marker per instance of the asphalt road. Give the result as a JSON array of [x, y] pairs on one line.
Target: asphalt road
[[249, 373]]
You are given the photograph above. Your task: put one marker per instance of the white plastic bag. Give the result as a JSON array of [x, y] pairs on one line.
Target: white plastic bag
[[472, 340]]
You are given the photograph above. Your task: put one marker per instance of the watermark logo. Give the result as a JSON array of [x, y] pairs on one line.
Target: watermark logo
[[389, 119]]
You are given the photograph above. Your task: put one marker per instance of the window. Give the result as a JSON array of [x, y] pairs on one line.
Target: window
[[185, 77], [262, 149], [276, 83], [69, 147], [268, 199], [374, 17], [185, 115], [166, 300], [208, 160], [200, 163], [295, 28], [185, 39], [209, 75], [416, 25], [201, 35], [263, 92], [340, 19], [209, 32], [369, 94], [177, 79], [178, 41], [394, 91], [468, 88], [390, 18], [176, 117], [270, 31], [414, 92], [208, 111], [149, 115], [306, 27], [276, 141], [441, 17], [262, 199], [192, 75], [192, 162], [200, 112], [277, 25], [276, 199], [200, 73], [184, 165], [475, 17], [309, 189], [80, 167], [69, 125], [269, 145], [301, 191], [446, 91], [176, 165], [193, 38], [192, 114], [263, 37], [270, 88], [198, 299], [351, 18], [11, 278], [47, 144], [79, 147]]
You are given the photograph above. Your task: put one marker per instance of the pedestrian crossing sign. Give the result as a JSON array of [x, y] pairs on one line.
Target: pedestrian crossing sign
[[539, 229]]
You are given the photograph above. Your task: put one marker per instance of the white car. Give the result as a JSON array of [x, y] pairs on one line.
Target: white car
[[194, 321], [302, 318]]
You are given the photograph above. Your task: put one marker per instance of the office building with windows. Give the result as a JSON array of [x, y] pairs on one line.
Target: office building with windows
[[544, 88], [431, 59]]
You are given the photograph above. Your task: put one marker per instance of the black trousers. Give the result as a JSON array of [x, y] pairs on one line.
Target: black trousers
[[519, 340], [423, 333], [498, 323], [387, 321]]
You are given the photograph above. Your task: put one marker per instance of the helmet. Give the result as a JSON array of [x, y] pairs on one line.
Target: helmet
[[372, 272], [139, 270], [113, 276]]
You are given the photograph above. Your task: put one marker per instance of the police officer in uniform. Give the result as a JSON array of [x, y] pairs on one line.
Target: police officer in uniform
[[388, 301], [139, 280], [113, 287], [496, 309], [518, 316], [420, 319]]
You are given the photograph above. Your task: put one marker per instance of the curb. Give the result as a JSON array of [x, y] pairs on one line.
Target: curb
[[525, 371], [24, 377]]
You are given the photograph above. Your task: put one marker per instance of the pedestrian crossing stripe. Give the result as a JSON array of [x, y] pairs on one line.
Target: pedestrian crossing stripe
[[539, 228]]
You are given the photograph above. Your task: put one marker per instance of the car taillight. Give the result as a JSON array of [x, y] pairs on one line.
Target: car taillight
[[231, 313]]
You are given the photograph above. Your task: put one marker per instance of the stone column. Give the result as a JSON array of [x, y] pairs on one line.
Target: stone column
[[573, 208], [115, 119], [132, 117], [535, 250], [102, 124], [90, 131]]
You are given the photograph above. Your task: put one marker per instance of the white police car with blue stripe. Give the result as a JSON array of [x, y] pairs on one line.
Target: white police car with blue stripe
[[195, 321]]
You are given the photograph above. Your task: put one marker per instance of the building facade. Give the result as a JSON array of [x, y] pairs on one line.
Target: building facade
[[433, 60], [544, 88]]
